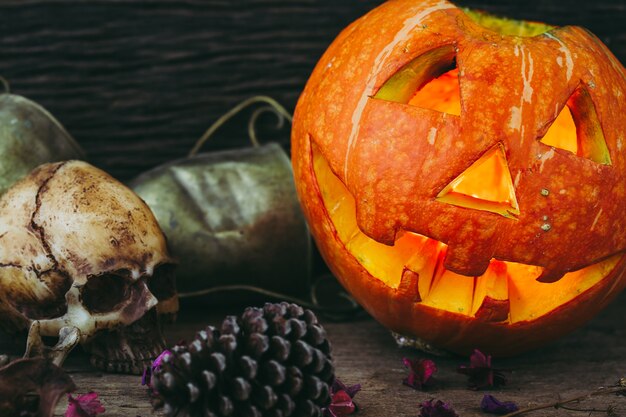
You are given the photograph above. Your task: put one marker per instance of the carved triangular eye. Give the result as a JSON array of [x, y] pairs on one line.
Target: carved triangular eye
[[442, 94], [562, 132], [430, 81], [577, 129], [485, 185]]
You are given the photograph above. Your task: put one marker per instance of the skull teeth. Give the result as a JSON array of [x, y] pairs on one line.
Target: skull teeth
[[135, 367], [133, 363]]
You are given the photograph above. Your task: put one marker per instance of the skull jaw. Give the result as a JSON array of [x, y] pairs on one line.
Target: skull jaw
[[128, 349], [69, 337], [79, 325]]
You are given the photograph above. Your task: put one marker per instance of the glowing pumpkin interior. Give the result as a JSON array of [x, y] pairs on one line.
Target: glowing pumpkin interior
[[507, 291], [522, 297]]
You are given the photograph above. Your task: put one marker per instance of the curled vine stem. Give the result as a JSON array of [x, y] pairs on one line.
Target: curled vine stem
[[619, 388], [336, 312], [253, 119], [6, 87], [349, 309], [275, 107]]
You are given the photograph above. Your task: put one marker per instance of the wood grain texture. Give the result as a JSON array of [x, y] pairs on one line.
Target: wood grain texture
[[138, 82], [365, 353]]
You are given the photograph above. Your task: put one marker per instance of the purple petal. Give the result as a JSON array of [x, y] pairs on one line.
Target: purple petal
[[436, 409], [340, 386], [159, 359], [353, 389], [481, 374], [341, 404], [85, 405], [145, 378], [490, 404], [428, 369], [156, 365], [420, 372]]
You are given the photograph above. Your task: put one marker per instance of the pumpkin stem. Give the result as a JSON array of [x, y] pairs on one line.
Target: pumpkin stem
[[506, 26], [273, 106]]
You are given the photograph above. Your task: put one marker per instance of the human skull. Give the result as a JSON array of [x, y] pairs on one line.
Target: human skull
[[83, 259]]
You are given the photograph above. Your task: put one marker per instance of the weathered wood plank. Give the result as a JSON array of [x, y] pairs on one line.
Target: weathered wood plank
[[365, 353], [138, 82]]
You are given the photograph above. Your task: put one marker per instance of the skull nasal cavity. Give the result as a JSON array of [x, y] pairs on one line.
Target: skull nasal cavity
[[103, 293], [430, 81]]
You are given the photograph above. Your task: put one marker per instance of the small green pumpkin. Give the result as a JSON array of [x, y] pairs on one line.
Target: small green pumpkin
[[30, 136]]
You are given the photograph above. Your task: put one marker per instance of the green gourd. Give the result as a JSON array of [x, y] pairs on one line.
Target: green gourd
[[30, 136]]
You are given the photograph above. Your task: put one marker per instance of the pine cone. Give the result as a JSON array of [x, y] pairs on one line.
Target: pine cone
[[272, 361]]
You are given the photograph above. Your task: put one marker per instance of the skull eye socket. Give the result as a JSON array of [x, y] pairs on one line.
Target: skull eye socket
[[104, 293], [162, 283]]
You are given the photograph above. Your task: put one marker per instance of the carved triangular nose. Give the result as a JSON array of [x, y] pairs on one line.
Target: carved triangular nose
[[485, 185]]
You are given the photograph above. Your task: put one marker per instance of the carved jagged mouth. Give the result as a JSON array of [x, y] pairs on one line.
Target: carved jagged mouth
[[507, 292]]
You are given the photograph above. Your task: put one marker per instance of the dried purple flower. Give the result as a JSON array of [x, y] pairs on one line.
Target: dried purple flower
[[420, 373], [156, 364], [491, 405], [436, 409], [341, 403], [481, 374], [351, 390], [84, 405]]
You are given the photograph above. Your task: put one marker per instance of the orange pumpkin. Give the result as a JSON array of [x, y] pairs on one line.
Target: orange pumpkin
[[464, 176]]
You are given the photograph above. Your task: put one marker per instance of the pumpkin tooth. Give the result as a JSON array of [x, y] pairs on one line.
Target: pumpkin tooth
[[491, 294], [451, 292], [492, 310], [409, 285], [426, 258]]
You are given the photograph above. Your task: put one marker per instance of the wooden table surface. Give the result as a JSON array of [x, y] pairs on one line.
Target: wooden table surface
[[136, 83], [365, 353]]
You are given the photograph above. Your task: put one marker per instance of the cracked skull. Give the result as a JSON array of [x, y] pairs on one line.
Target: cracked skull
[[83, 259]]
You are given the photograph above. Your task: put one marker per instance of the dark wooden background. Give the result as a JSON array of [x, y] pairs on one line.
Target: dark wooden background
[[136, 83]]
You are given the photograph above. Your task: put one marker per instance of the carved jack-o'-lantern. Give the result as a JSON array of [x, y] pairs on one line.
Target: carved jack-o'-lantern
[[464, 175]]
